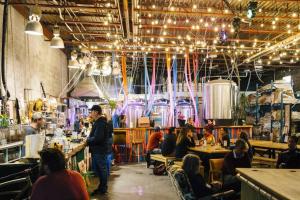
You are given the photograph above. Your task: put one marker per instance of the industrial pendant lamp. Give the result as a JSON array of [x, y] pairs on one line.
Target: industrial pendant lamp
[[56, 41], [33, 26]]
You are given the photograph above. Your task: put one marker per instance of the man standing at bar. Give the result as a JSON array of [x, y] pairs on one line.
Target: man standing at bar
[[98, 144]]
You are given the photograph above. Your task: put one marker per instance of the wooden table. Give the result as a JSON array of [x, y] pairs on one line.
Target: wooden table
[[255, 180], [209, 149]]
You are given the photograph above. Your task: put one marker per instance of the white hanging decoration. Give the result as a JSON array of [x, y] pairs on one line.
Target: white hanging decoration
[[116, 71]]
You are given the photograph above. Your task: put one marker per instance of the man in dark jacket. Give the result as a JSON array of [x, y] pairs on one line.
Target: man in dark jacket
[[238, 158], [290, 159], [98, 144]]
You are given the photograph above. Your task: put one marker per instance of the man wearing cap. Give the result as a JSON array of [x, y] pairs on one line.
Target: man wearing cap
[[37, 122], [98, 145]]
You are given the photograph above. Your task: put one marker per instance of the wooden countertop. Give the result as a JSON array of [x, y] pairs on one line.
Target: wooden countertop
[[285, 188], [74, 148], [164, 128], [209, 149]]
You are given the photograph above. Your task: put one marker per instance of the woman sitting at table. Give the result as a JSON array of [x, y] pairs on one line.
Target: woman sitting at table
[[224, 139], [244, 136], [191, 167], [184, 141], [208, 136]]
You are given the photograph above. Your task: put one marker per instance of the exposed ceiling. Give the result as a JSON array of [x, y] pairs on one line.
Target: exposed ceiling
[[135, 27]]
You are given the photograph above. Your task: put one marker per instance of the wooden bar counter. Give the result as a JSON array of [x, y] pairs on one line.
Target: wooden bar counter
[[281, 184]]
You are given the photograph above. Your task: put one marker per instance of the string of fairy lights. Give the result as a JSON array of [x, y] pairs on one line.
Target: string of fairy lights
[[197, 28]]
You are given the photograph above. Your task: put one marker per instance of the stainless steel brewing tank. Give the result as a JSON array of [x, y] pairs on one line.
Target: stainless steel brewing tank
[[219, 99], [161, 114], [186, 109], [134, 111]]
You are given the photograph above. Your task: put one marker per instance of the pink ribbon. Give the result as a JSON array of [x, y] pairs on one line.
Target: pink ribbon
[[186, 66]]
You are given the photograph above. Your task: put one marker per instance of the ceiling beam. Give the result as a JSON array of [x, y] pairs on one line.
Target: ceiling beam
[[190, 12], [251, 31], [79, 6]]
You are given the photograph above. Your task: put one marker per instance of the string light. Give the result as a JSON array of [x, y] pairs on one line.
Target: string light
[[194, 6], [262, 25], [153, 6], [209, 9], [172, 8], [149, 15], [226, 11], [294, 15], [169, 21]]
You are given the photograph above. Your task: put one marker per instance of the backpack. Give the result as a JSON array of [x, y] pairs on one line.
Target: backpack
[[159, 169]]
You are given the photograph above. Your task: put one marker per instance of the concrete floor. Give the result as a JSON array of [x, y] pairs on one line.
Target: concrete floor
[[130, 182]]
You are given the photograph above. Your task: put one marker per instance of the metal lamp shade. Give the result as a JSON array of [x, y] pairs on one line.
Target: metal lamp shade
[[57, 42], [73, 64], [34, 28]]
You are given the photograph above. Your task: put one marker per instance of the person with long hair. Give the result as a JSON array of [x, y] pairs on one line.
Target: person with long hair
[[183, 142], [244, 136], [57, 181], [191, 167]]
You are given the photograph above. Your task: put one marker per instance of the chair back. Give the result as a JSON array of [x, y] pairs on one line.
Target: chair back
[[215, 169], [181, 183]]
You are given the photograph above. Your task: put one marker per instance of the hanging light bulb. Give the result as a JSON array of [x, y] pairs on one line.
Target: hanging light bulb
[[56, 41], [33, 26]]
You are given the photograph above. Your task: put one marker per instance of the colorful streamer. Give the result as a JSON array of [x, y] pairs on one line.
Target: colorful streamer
[[147, 83], [196, 64], [190, 89], [124, 76], [170, 91], [174, 66]]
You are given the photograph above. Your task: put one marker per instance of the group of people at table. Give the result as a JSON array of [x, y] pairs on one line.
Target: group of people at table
[[177, 145]]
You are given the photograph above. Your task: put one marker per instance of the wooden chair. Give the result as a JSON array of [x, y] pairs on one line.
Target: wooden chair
[[215, 169]]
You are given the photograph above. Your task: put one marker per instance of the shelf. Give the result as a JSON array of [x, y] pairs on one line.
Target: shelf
[[11, 145], [10, 161]]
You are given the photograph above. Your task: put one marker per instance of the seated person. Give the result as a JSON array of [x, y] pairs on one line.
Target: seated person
[[184, 141], [191, 167], [208, 136], [190, 122], [224, 139], [237, 158], [244, 136], [153, 144], [169, 144], [290, 159], [181, 119], [58, 182]]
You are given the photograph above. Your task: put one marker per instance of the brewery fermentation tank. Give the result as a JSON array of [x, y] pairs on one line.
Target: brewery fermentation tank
[[161, 114], [219, 99], [135, 110], [186, 109]]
